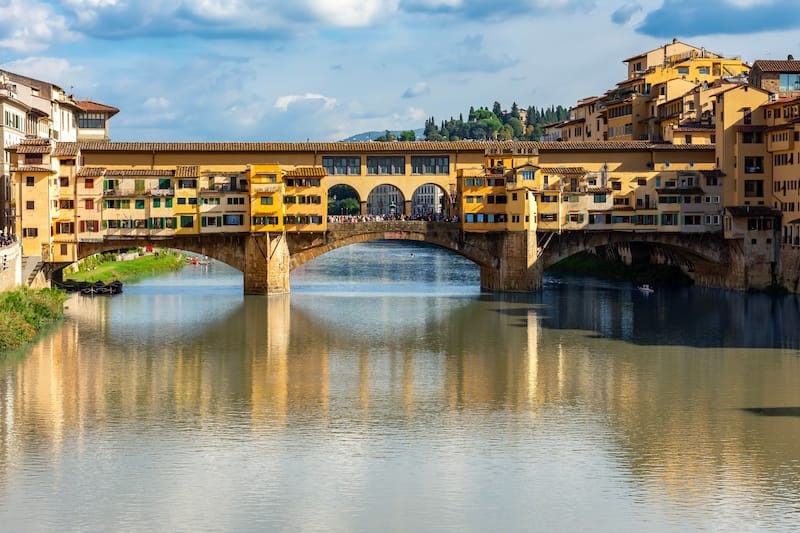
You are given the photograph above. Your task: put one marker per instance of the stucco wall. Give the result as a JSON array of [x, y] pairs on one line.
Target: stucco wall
[[10, 267]]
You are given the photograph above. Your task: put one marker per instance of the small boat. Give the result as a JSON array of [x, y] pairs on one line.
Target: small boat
[[98, 287], [646, 288]]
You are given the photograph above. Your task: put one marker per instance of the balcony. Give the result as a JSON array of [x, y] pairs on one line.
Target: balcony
[[162, 192]]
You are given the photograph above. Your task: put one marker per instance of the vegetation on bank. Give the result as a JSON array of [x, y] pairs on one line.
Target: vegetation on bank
[[25, 312], [592, 265], [106, 267]]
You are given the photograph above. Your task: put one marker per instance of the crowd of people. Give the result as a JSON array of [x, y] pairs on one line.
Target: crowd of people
[[7, 239], [351, 219]]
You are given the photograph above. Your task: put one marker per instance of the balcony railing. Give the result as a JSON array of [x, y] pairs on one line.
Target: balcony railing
[[162, 192]]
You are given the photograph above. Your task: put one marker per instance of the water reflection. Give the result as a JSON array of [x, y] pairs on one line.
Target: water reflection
[[414, 405]]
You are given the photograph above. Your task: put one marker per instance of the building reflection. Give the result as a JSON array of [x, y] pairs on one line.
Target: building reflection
[[672, 412]]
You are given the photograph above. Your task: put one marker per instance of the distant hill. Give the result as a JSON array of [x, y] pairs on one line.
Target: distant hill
[[372, 135]]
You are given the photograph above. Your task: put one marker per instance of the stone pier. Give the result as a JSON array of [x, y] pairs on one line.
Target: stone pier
[[266, 265], [515, 266]]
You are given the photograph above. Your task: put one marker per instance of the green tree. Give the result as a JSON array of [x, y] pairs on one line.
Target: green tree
[[408, 135]]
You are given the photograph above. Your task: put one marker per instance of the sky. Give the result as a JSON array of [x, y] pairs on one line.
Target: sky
[[323, 70]]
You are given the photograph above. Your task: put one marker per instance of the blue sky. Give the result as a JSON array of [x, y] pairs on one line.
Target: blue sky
[[292, 70]]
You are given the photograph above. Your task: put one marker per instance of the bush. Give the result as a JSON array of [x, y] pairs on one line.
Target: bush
[[24, 312]]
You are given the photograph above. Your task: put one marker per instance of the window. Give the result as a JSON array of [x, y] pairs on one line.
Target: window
[[90, 226], [599, 198], [65, 227], [234, 220], [683, 70], [687, 139], [187, 184], [64, 182], [168, 202], [192, 201], [30, 232], [211, 201], [711, 220], [641, 181], [89, 183], [753, 165], [704, 71], [261, 221], [747, 115], [88, 203], [789, 82], [66, 204], [139, 204], [342, 165], [527, 174], [236, 200], [187, 221], [156, 202], [692, 220], [430, 165], [63, 249], [30, 181], [30, 204], [386, 165], [753, 188], [181, 201], [616, 185], [669, 219], [92, 120], [711, 199], [266, 200]]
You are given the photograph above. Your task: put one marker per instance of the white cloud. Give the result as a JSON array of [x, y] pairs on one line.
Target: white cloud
[[29, 26], [352, 13], [156, 103], [283, 102], [416, 115], [418, 89], [50, 69]]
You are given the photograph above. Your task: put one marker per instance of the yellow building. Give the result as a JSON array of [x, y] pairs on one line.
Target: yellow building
[[266, 198]]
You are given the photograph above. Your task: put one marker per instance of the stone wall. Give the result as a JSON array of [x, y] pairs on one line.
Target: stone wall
[[790, 269]]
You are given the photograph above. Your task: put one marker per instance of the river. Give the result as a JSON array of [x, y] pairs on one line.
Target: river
[[387, 393]]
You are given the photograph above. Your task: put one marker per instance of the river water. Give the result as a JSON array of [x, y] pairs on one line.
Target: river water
[[387, 393]]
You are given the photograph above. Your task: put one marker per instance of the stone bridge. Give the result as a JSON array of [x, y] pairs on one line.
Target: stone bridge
[[508, 261]]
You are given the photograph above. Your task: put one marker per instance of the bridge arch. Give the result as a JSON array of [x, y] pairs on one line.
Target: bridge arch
[[386, 199], [702, 256], [443, 235], [429, 199]]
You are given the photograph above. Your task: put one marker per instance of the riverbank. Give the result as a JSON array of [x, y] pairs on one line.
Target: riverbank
[[598, 267], [108, 267], [25, 312]]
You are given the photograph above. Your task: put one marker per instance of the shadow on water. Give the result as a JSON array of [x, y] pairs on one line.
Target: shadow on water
[[773, 411], [690, 316]]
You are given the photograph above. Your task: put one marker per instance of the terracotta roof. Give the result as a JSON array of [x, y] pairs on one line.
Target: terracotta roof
[[127, 172], [93, 107], [140, 172], [375, 147], [24, 148], [774, 65], [564, 171], [90, 172], [66, 149], [186, 171], [307, 172], [33, 168]]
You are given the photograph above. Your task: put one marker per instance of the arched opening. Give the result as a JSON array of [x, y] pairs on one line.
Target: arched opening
[[386, 201], [343, 200], [429, 202]]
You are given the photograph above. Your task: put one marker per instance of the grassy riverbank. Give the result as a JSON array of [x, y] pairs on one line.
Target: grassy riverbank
[[106, 268], [592, 265], [25, 312]]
